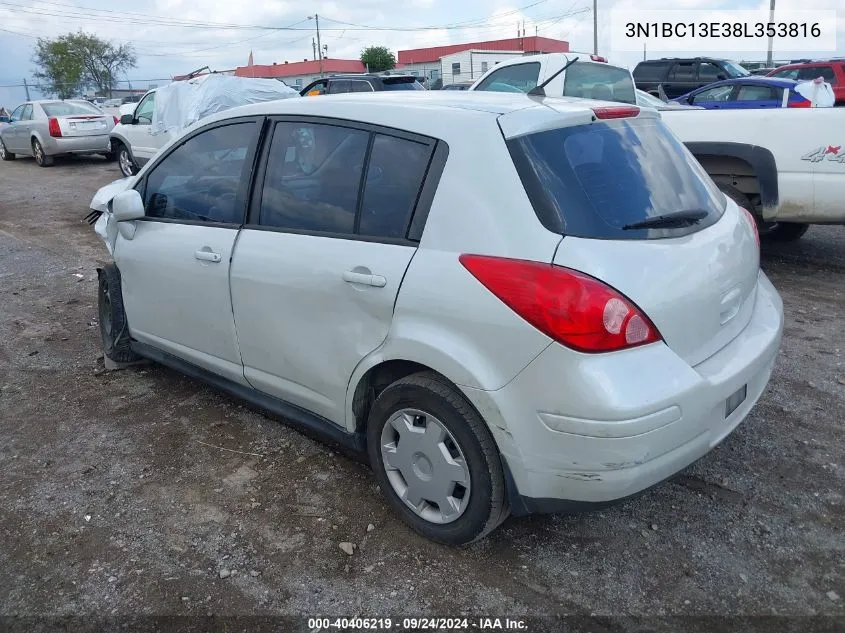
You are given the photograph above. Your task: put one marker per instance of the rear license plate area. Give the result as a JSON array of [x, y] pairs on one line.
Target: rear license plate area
[[735, 399]]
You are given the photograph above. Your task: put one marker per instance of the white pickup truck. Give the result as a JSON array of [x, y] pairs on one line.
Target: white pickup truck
[[786, 165]]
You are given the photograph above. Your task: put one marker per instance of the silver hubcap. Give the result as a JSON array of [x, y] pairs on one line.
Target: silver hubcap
[[425, 466], [39, 155], [2, 150], [125, 162]]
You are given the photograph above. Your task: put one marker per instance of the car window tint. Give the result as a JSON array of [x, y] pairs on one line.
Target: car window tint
[[200, 180], [791, 73], [684, 71], [312, 178], [16, 113], [651, 71], [144, 112], [719, 93], [708, 71], [401, 83], [522, 77], [338, 86], [27, 113], [757, 93], [394, 177], [599, 81], [813, 72], [360, 86]]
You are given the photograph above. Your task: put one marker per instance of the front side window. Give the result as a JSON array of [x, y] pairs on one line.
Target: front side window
[[340, 86], [516, 78], [16, 114], [718, 93], [360, 86], [735, 70], [144, 112], [599, 81], [200, 181], [312, 178], [710, 72]]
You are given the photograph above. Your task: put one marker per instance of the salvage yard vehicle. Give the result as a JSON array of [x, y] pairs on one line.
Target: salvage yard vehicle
[[49, 128], [588, 327], [748, 93]]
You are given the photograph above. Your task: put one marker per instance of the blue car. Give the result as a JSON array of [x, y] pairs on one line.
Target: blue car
[[746, 93]]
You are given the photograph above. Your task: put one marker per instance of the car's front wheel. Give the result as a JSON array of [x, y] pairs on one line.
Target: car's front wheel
[[124, 160], [114, 331], [40, 157], [4, 153], [435, 460]]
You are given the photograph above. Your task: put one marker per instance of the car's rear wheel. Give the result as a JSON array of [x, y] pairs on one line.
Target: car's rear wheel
[[4, 153], [435, 460], [124, 159], [40, 157], [114, 331]]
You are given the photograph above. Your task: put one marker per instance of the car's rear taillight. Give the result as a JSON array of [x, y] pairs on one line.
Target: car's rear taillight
[[754, 229], [616, 112], [53, 126], [572, 308], [116, 120], [598, 58]]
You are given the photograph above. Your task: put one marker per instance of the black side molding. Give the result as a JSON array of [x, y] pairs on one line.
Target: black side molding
[[310, 424], [760, 159]]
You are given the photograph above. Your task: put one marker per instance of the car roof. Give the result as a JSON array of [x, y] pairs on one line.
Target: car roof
[[685, 59], [777, 82]]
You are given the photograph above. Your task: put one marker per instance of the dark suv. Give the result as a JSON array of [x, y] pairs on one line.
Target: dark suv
[[337, 84], [679, 76]]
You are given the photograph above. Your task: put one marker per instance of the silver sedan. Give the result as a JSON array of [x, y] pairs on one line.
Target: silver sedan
[[49, 128]]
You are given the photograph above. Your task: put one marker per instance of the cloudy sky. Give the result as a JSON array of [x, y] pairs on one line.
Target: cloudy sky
[[176, 36]]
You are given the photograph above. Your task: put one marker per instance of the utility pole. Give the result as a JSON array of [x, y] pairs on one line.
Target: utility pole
[[771, 19], [25, 87], [596, 27], [319, 45], [314, 48]]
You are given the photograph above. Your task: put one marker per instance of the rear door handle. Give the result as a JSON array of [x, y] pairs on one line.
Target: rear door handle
[[364, 279], [207, 256]]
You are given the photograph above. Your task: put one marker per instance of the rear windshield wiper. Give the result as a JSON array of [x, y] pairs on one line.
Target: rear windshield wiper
[[670, 220]]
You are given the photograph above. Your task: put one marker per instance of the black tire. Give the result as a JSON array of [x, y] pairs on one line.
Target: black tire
[[114, 331], [124, 159], [4, 153], [110, 157], [40, 157], [784, 232], [431, 393]]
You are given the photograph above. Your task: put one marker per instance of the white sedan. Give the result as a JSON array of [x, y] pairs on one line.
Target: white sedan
[[569, 321]]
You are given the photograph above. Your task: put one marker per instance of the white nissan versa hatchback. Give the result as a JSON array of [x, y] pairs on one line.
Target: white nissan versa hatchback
[[507, 304]]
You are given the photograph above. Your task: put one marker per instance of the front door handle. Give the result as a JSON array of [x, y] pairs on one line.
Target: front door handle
[[364, 279], [207, 256]]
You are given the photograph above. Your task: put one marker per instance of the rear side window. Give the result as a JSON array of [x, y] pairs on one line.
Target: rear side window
[[593, 180], [519, 77], [401, 83], [339, 86], [684, 71], [758, 93], [394, 178], [651, 71], [599, 81]]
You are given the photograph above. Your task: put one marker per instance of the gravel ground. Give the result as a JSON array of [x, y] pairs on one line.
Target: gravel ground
[[144, 492]]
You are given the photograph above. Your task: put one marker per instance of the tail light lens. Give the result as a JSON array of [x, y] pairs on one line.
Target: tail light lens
[[616, 112], [53, 126], [116, 120], [750, 219], [572, 308], [598, 58]]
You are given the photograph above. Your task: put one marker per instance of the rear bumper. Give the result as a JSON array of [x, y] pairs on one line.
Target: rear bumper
[[576, 431], [95, 144]]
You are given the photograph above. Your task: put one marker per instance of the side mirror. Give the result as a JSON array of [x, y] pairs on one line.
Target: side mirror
[[127, 119], [127, 206]]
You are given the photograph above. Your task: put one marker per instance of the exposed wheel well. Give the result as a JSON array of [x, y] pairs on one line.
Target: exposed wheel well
[[375, 381], [733, 171]]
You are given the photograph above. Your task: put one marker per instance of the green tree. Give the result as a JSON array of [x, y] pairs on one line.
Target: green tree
[[74, 61], [60, 69], [378, 58]]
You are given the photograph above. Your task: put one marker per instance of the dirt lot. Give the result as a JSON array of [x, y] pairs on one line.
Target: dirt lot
[[133, 492]]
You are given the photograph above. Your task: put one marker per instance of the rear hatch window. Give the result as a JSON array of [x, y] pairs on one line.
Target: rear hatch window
[[599, 179], [596, 80], [59, 108], [401, 83]]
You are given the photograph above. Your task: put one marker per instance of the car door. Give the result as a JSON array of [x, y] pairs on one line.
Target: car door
[[681, 79], [11, 135], [175, 268], [753, 96], [317, 268], [143, 143]]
